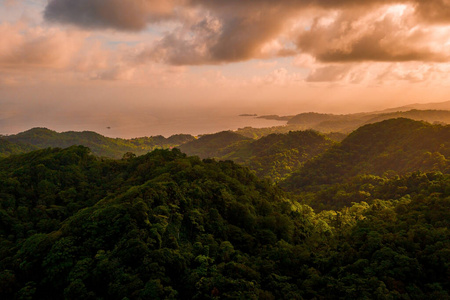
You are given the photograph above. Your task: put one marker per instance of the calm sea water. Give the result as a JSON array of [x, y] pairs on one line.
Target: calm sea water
[[135, 125], [194, 126]]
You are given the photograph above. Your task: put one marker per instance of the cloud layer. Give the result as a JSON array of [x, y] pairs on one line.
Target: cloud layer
[[124, 15], [68, 63], [222, 31], [139, 40], [37, 47]]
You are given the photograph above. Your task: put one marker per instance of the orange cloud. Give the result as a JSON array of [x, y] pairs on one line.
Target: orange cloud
[[381, 35], [31, 47], [433, 11], [223, 31]]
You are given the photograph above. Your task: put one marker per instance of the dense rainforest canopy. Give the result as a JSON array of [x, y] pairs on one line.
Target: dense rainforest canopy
[[170, 226]]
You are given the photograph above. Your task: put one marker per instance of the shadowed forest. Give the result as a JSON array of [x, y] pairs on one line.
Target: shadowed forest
[[253, 214], [198, 149]]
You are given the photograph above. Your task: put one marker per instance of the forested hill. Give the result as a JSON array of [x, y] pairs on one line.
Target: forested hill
[[349, 122], [273, 156], [99, 144], [277, 155], [161, 225], [8, 148], [212, 145], [392, 146], [256, 133], [168, 226]]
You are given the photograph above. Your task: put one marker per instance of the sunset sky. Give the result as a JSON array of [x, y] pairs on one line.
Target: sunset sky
[[128, 64]]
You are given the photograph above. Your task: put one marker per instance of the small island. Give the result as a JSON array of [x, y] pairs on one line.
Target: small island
[[248, 115], [275, 117]]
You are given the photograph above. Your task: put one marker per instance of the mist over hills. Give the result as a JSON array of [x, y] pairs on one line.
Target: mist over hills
[[346, 123], [421, 106]]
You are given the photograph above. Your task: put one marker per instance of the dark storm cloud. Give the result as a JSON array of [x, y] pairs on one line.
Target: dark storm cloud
[[136, 14], [218, 39], [116, 14]]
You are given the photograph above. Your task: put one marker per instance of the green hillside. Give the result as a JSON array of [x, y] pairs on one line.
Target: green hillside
[[256, 133], [212, 145], [273, 156], [99, 145], [388, 148], [8, 148], [168, 226], [277, 155]]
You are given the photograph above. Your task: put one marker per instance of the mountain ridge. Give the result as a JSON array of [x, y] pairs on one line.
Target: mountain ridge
[[101, 145], [400, 145]]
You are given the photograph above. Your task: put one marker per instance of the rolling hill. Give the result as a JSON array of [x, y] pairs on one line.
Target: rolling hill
[[421, 106], [99, 144], [346, 123], [275, 156], [8, 148], [212, 145], [350, 122], [397, 146]]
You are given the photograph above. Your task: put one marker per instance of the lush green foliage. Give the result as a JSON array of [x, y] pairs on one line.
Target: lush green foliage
[[168, 226], [256, 133], [100, 145], [80, 227], [389, 147], [212, 145], [8, 148], [165, 225], [273, 156], [277, 155]]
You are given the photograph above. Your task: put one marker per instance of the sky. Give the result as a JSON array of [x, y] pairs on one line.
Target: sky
[[148, 67]]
